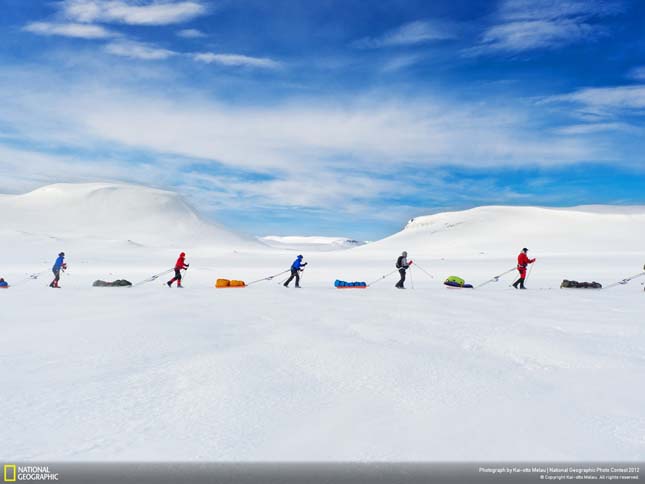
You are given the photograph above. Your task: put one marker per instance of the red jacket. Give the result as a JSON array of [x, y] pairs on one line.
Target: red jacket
[[523, 260], [181, 263]]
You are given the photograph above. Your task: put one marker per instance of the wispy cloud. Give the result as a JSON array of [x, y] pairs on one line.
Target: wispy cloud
[[412, 33], [524, 25], [511, 10], [146, 51], [76, 30], [638, 73], [151, 12], [191, 34], [401, 62], [593, 128], [236, 60], [605, 101], [138, 50]]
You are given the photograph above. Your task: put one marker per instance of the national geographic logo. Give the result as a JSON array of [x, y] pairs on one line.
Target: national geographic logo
[[10, 473], [16, 473]]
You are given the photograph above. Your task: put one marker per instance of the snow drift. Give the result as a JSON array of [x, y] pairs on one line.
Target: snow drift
[[110, 211]]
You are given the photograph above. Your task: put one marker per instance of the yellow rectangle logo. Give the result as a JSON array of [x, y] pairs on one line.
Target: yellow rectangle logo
[[10, 473]]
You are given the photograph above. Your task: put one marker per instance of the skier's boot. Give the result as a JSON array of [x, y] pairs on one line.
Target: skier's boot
[[169, 283], [285, 284], [297, 287], [179, 286]]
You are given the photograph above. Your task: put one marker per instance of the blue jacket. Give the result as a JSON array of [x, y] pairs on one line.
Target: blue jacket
[[297, 264], [59, 263]]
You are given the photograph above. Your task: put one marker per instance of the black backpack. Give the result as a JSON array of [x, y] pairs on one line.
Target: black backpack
[[399, 262]]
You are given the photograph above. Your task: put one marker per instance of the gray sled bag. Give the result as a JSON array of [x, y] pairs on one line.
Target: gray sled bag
[[117, 283], [580, 285]]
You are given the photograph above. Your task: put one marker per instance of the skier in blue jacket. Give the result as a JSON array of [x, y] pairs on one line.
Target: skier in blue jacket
[[59, 265], [296, 268]]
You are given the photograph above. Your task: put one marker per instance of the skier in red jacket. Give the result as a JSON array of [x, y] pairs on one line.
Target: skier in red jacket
[[522, 262], [179, 265]]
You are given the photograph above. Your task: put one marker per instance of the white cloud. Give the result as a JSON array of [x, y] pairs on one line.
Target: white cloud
[[334, 144], [159, 12], [605, 101], [513, 10], [412, 33], [76, 30], [534, 34], [191, 34], [236, 60], [401, 62], [593, 128], [138, 50], [524, 25], [638, 73]]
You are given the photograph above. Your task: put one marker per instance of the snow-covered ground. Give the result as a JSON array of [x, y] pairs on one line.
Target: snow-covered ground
[[268, 373]]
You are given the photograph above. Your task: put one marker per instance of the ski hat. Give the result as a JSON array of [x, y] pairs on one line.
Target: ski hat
[[62, 254], [183, 254], [404, 253], [300, 257], [525, 249]]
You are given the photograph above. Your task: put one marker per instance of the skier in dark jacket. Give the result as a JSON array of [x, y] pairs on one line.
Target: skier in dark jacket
[[59, 265], [297, 267], [402, 265], [522, 262], [179, 266]]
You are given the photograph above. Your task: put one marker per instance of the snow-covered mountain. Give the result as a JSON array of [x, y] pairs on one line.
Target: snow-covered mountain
[[497, 230], [110, 211], [310, 243]]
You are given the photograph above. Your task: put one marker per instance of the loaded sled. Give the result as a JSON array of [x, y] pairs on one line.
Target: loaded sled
[[338, 284], [455, 282], [227, 284]]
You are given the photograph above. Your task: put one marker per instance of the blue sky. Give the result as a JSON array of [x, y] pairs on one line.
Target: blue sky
[[328, 117]]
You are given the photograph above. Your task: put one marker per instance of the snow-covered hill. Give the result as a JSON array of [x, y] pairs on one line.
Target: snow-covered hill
[[310, 243], [498, 230], [109, 211]]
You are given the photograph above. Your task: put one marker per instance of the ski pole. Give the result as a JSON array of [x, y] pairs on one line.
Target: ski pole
[[496, 278], [383, 277], [411, 280], [268, 278], [423, 270], [283, 280], [529, 274]]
